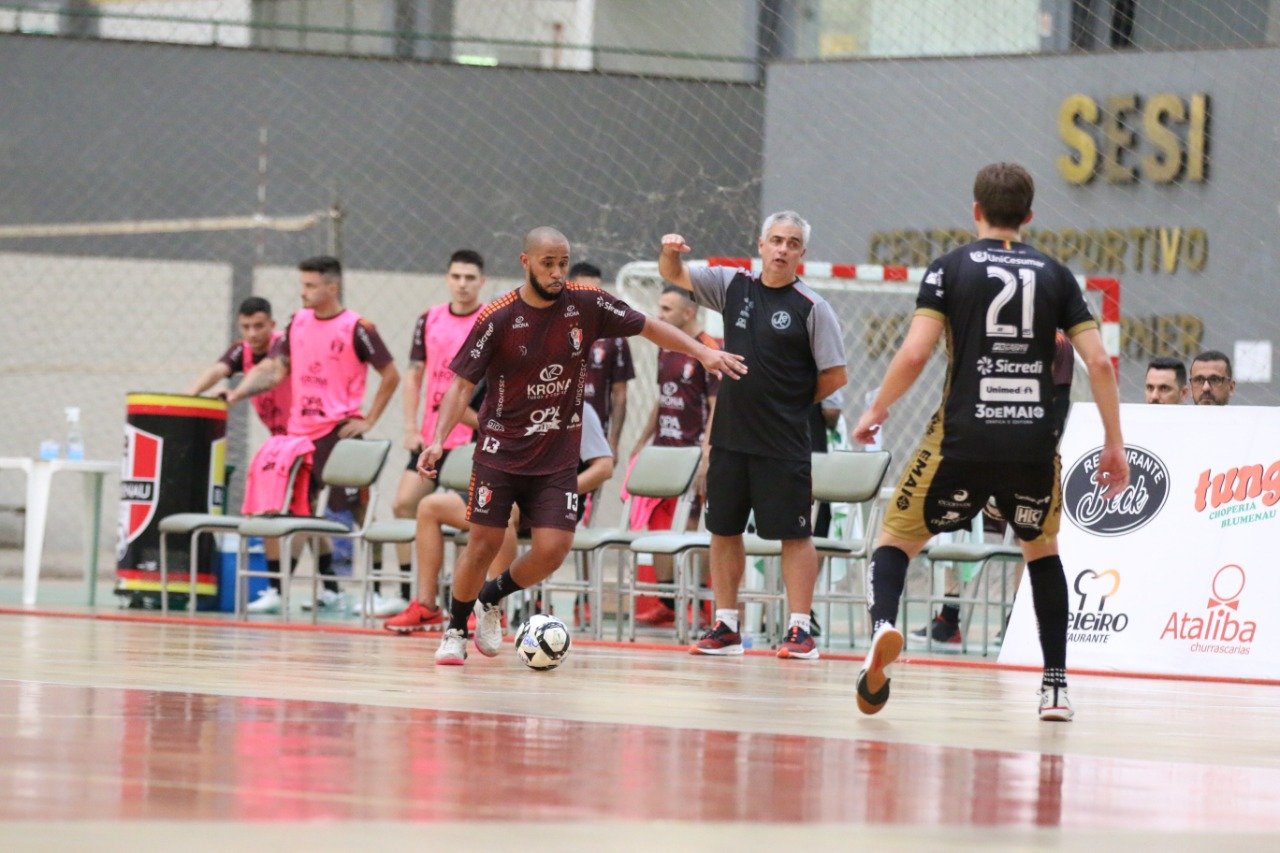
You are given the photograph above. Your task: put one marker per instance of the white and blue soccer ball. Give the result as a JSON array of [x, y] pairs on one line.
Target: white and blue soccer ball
[[542, 642]]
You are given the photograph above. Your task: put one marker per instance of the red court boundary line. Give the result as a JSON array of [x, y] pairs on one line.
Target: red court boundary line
[[301, 627]]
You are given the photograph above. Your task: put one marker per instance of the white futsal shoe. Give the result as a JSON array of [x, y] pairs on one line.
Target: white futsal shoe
[[268, 601], [381, 608], [873, 680], [453, 649], [1055, 704], [333, 602], [489, 629]]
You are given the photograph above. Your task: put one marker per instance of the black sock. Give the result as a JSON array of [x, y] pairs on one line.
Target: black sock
[[951, 612], [274, 566], [669, 603], [324, 565], [377, 585], [888, 571], [406, 569], [459, 613], [499, 588], [1049, 595]]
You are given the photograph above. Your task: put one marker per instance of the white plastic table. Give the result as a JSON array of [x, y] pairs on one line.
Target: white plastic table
[[39, 480]]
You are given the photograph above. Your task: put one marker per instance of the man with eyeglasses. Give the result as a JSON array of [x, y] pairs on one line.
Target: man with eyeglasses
[[1211, 381]]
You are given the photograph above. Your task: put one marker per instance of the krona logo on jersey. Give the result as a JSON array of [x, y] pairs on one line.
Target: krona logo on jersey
[[1133, 508], [1220, 629], [1244, 495], [139, 482]]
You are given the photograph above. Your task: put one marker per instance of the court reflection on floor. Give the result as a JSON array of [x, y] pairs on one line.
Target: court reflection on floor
[[86, 752]]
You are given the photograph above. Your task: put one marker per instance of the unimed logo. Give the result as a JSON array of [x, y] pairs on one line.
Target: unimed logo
[[1131, 509], [1220, 628]]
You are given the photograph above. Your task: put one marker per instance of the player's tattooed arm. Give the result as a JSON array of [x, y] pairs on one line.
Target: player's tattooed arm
[[266, 375]]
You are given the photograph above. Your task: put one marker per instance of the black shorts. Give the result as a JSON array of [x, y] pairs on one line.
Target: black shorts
[[545, 500], [339, 499], [937, 495], [780, 491]]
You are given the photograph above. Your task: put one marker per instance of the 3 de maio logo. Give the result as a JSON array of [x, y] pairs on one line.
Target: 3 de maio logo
[[1139, 503]]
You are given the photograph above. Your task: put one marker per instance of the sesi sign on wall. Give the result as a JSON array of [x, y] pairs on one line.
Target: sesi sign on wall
[[1177, 575]]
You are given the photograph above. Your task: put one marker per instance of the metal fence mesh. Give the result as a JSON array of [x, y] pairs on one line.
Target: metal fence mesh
[[430, 132]]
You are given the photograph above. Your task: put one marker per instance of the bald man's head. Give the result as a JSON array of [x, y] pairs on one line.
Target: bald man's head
[[546, 262], [544, 235]]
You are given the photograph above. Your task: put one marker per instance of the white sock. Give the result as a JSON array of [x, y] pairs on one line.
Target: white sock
[[729, 617], [800, 619]]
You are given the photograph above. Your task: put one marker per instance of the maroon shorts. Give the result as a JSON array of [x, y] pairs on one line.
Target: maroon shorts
[[545, 500]]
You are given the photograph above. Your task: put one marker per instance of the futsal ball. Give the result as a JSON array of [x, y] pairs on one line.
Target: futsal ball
[[542, 642]]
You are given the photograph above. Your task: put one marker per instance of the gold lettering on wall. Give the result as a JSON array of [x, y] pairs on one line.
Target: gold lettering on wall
[[1162, 140], [1080, 166], [1174, 335], [1094, 251]]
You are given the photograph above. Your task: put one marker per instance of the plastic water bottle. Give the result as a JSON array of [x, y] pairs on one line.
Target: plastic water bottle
[[75, 439]]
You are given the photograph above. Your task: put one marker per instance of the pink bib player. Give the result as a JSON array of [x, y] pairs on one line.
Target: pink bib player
[[328, 377], [444, 333], [272, 406]]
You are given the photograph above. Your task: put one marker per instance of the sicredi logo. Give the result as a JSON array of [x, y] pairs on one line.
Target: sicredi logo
[[1128, 511]]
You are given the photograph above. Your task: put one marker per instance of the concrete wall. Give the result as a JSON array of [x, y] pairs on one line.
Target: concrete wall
[[85, 331], [425, 158]]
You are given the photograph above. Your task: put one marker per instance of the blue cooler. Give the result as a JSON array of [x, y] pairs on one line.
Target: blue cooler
[[227, 545]]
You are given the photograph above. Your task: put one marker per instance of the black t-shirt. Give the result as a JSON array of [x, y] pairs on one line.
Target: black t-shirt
[[1002, 304], [787, 336]]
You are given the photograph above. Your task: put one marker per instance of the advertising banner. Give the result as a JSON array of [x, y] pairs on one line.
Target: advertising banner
[[1180, 574]]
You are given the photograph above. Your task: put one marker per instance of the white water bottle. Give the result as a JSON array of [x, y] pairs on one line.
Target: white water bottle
[[75, 439]]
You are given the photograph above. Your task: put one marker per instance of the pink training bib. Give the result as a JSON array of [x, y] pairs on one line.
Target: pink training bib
[[272, 406], [328, 377], [444, 334]]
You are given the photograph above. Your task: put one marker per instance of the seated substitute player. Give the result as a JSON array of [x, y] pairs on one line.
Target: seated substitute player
[[438, 334], [595, 467], [324, 355], [1000, 303], [530, 345], [609, 368], [257, 334], [681, 416], [1167, 382]]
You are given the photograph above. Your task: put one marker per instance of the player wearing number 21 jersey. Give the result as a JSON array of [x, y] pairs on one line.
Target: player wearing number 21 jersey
[[999, 304]]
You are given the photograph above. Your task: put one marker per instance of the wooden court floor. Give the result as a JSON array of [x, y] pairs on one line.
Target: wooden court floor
[[128, 734]]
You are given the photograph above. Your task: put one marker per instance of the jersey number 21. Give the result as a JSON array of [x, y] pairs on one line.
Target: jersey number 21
[[1027, 279]]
